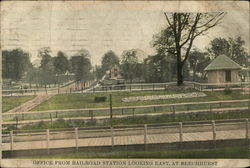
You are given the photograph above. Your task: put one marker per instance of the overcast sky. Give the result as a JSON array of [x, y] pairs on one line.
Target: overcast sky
[[101, 26]]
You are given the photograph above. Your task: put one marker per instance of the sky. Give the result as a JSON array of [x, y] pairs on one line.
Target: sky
[[100, 26]]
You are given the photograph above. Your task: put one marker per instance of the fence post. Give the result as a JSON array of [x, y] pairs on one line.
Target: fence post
[[48, 150], [56, 114], [130, 87], [154, 109], [23, 116], [214, 132], [145, 136], [50, 117], [173, 109], [11, 140], [16, 122], [210, 108], [112, 137], [133, 112], [247, 128], [76, 138], [181, 132], [122, 111], [92, 115]]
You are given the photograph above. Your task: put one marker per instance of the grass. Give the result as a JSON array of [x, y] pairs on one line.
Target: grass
[[11, 102], [166, 110], [77, 101], [240, 152], [60, 123]]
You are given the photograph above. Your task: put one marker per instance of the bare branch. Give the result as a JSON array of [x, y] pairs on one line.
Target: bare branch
[[168, 19], [193, 27], [220, 16]]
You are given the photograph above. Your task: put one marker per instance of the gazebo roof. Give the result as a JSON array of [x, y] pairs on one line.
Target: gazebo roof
[[222, 62]]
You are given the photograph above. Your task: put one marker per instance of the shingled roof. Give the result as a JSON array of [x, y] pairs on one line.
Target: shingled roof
[[222, 62]]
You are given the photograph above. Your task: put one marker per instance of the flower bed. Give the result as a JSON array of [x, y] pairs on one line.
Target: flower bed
[[164, 97]]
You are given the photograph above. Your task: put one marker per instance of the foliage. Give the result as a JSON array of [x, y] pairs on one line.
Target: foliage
[[15, 64], [100, 99], [184, 28], [198, 61], [231, 47], [109, 60], [61, 63], [129, 62], [227, 90], [81, 65]]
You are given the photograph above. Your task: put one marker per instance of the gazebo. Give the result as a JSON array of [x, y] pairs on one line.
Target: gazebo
[[222, 70]]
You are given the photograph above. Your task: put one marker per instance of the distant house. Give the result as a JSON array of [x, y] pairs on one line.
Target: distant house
[[115, 72], [223, 70]]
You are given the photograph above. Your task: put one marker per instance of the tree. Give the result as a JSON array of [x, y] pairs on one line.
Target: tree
[[15, 64], [183, 29], [159, 68], [61, 63], [198, 61], [109, 60], [46, 68], [231, 47], [129, 61], [81, 65]]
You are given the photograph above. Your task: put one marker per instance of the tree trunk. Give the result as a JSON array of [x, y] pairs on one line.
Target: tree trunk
[[179, 74]]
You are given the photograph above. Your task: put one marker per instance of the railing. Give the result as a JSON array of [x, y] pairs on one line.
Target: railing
[[125, 135], [136, 87], [92, 113]]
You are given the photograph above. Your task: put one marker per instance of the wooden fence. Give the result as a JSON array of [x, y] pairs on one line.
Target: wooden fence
[[183, 130]]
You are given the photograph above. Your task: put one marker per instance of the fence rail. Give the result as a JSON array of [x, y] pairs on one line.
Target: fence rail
[[124, 135], [92, 113], [137, 87]]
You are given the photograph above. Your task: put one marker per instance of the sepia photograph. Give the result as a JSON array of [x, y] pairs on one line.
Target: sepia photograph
[[122, 84]]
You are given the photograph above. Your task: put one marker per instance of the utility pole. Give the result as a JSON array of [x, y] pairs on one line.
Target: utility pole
[[110, 106]]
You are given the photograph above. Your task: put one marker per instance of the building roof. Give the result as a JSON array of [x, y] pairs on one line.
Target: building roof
[[222, 62]]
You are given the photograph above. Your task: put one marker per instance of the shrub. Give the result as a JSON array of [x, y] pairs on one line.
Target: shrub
[[227, 90], [100, 99]]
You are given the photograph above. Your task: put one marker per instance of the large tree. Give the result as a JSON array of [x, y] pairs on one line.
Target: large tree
[[81, 65], [61, 63], [183, 29], [109, 60], [129, 62], [46, 71], [231, 47], [198, 61], [15, 64]]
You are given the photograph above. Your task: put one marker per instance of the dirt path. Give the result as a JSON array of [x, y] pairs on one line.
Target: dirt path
[[41, 97], [30, 104]]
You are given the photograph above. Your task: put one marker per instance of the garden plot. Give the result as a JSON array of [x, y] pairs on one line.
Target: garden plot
[[164, 97]]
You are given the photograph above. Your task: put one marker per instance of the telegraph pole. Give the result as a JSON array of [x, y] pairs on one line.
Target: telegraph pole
[[110, 106]]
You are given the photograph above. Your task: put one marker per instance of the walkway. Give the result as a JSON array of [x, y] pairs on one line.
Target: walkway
[[127, 140]]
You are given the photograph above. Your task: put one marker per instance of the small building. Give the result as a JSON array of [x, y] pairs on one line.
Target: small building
[[115, 72], [223, 70]]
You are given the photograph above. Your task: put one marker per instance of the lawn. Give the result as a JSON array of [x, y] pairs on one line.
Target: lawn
[[76, 101], [61, 123], [11, 102]]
